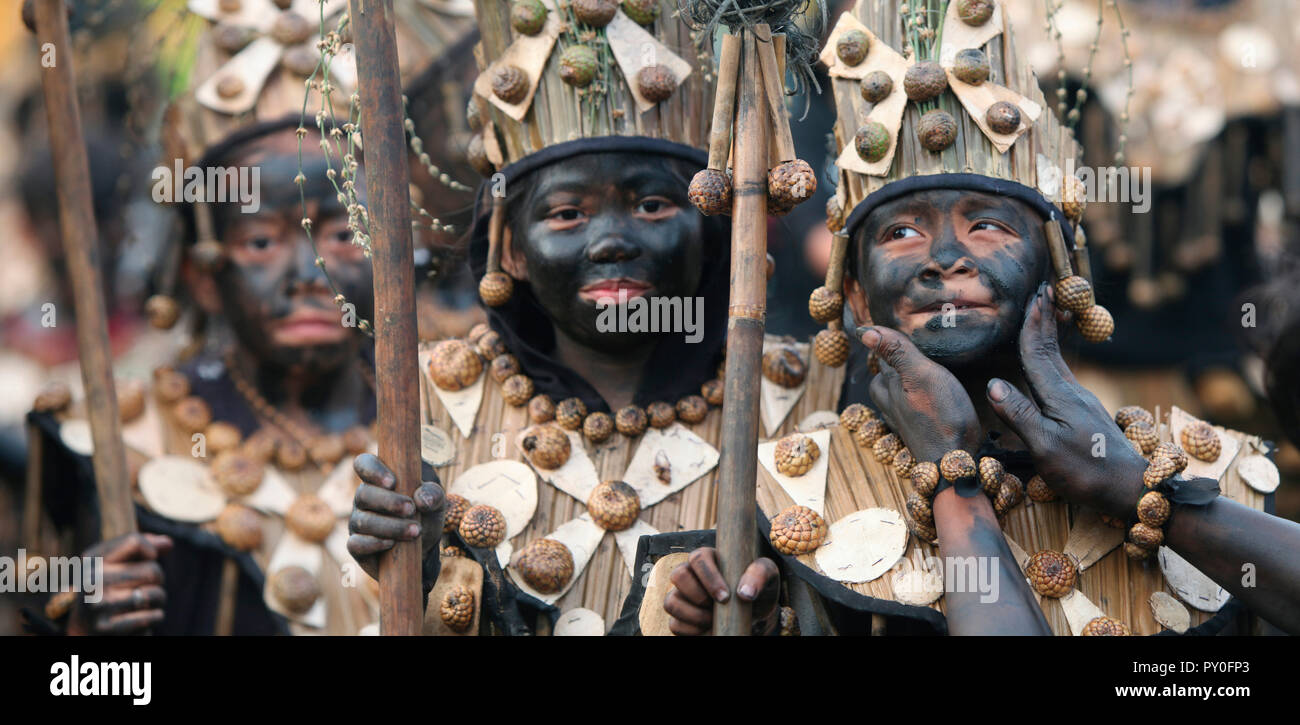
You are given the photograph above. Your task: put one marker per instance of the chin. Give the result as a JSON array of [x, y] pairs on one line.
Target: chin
[[955, 347]]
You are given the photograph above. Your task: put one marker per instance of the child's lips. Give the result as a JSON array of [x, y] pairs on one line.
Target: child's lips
[[613, 288]]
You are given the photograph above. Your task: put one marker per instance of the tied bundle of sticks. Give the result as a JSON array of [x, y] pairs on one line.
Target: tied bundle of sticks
[[752, 128]]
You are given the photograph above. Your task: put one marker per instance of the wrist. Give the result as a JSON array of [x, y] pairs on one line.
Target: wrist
[[1120, 486]]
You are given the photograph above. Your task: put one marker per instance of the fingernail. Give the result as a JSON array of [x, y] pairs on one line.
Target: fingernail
[[746, 591], [998, 389], [721, 595], [413, 530], [869, 336], [408, 509]]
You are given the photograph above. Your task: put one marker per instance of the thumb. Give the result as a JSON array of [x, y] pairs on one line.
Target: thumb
[[1017, 411], [893, 347]]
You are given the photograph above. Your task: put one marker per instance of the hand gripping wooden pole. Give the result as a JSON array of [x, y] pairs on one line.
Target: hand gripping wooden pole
[[396, 370]]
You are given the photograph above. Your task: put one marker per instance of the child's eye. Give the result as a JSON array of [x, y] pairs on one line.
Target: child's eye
[[903, 233]]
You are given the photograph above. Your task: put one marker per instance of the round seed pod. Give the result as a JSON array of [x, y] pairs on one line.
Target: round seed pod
[[692, 409], [643, 12], [326, 450], [872, 141], [661, 414], [356, 440], [290, 456], [517, 390], [795, 454], [789, 622], [831, 347], [510, 83], [482, 527], [596, 13], [454, 509], [192, 414], [797, 530], [924, 80], [990, 475], [1003, 117], [1011, 493], [503, 366], [903, 463], [477, 156], [924, 533], [169, 386], [656, 82], [925, 478], [474, 116], [578, 65], [541, 409], [854, 416], [834, 214], [1174, 454], [598, 427], [547, 446], [240, 527], [452, 551], [1130, 414], [495, 288], [1136, 552], [527, 16], [1105, 627], [1143, 435], [712, 391], [1153, 509], [130, 399], [614, 505], [791, 182], [784, 367], [457, 608], [454, 365], [710, 192], [957, 464], [477, 332], [631, 421], [310, 518], [1157, 471], [825, 304], [936, 130], [876, 86], [1050, 573], [1201, 441], [974, 12], [919, 509], [1095, 324], [1073, 197], [237, 474], [1113, 522], [868, 433], [162, 311], [570, 413], [295, 589], [852, 47], [490, 345], [779, 207], [546, 565], [261, 446], [1039, 491], [1074, 293], [55, 397], [886, 447], [1147, 537], [230, 86], [221, 437], [971, 66]]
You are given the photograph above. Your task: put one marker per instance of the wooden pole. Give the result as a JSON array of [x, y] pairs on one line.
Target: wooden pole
[[396, 370], [737, 542], [80, 249]]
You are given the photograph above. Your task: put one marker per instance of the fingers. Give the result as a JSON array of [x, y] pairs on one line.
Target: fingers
[[686, 583], [131, 547], [687, 619], [364, 546], [382, 501], [128, 623], [1017, 411], [756, 578], [373, 471], [704, 564], [1040, 350], [893, 348], [383, 527], [429, 498], [128, 599]]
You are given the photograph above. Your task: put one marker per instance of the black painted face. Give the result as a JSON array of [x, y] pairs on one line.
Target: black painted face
[[604, 224], [952, 270], [274, 295]]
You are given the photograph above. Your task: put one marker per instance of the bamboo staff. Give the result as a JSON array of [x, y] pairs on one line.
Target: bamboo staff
[[387, 185], [748, 308], [77, 224]]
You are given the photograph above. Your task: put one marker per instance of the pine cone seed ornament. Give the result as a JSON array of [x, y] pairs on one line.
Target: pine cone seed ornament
[[546, 565], [825, 304], [495, 288], [656, 82], [876, 86], [169, 386], [490, 345], [547, 446], [1073, 197], [295, 588], [710, 192], [598, 427], [570, 413], [1010, 494], [1201, 441], [791, 182], [925, 478], [1050, 573], [454, 365], [903, 463], [990, 475], [356, 440], [886, 447], [1174, 454], [1157, 471], [868, 433], [924, 80], [872, 141], [778, 207], [236, 473], [517, 390], [971, 66], [974, 12], [453, 511], [712, 391], [162, 311], [1039, 492], [795, 454], [854, 416], [1143, 434], [1147, 537], [1095, 324], [325, 451], [784, 367], [1153, 509], [452, 552], [528, 16], [789, 622], [798, 530], [1003, 117], [289, 456], [222, 437], [631, 421], [852, 47], [661, 414], [503, 366], [927, 534], [834, 215], [936, 130], [192, 414], [457, 608], [1105, 627], [510, 83], [831, 347], [596, 13], [956, 464], [1136, 552], [578, 65], [644, 12], [1074, 293], [541, 409], [692, 409], [1130, 414], [482, 527], [614, 505], [919, 509], [310, 518], [476, 155], [240, 527]]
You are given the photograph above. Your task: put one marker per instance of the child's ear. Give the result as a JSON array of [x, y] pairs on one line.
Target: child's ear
[[856, 297], [512, 262]]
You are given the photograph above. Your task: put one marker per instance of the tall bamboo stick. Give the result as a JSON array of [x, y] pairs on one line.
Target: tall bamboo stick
[[396, 369]]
